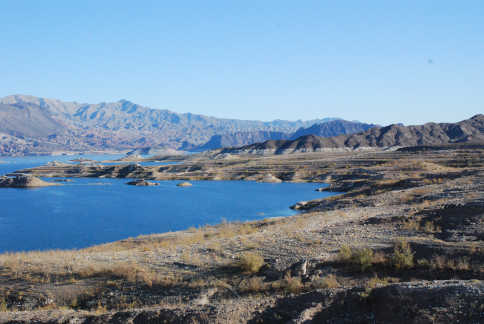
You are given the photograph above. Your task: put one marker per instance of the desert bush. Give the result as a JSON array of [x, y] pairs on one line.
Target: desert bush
[[292, 284], [3, 305], [430, 227], [250, 262], [441, 262], [377, 282], [345, 253], [330, 281], [362, 258], [253, 284], [402, 255]]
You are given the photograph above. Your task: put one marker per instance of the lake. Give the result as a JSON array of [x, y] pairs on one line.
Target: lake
[[89, 211]]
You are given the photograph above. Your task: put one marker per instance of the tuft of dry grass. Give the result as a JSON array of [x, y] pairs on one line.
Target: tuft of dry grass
[[250, 262], [375, 281], [253, 285], [292, 284], [330, 281]]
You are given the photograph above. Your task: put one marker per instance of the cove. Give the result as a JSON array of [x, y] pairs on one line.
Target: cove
[[90, 211]]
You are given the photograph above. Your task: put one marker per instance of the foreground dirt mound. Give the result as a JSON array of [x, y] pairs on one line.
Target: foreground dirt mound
[[432, 302], [424, 302]]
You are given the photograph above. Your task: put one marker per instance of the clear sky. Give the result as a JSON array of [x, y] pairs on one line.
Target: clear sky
[[374, 61]]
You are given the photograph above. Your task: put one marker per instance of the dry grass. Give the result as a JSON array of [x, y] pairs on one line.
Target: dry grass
[[442, 262], [330, 281], [253, 285], [250, 262], [364, 258], [375, 281], [290, 284], [122, 259], [415, 224]]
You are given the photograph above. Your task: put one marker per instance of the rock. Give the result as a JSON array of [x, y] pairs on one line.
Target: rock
[[300, 205], [142, 182], [298, 269], [24, 181], [270, 272], [270, 178], [184, 184]]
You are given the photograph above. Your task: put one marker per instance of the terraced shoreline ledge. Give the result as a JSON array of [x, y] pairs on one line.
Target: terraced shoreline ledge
[[402, 243]]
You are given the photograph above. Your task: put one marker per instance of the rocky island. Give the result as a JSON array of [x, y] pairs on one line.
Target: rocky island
[[184, 184], [142, 183], [24, 181]]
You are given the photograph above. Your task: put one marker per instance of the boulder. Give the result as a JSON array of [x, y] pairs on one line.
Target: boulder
[[270, 178], [300, 205]]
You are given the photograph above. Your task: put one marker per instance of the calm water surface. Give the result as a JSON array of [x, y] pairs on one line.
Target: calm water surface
[[90, 211]]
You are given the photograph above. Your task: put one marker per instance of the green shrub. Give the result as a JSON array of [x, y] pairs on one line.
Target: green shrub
[[402, 255], [345, 253], [363, 258]]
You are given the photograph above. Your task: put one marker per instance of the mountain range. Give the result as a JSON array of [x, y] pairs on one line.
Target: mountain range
[[328, 128], [34, 125], [392, 136]]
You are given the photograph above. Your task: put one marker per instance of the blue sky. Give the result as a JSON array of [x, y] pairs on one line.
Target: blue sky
[[374, 61]]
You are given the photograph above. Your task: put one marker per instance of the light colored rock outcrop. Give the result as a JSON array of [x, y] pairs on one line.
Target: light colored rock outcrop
[[271, 178]]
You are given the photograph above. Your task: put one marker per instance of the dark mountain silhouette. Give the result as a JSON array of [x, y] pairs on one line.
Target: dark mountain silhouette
[[392, 136]]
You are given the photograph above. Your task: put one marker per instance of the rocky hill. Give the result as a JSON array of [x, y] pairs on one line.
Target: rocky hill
[[330, 127], [333, 128], [37, 125], [392, 136]]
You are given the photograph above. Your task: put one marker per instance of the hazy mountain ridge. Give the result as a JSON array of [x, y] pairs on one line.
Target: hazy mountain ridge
[[236, 139], [330, 127], [466, 131], [333, 128], [39, 125]]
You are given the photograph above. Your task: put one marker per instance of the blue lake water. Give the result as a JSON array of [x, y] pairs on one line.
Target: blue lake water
[[90, 211]]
